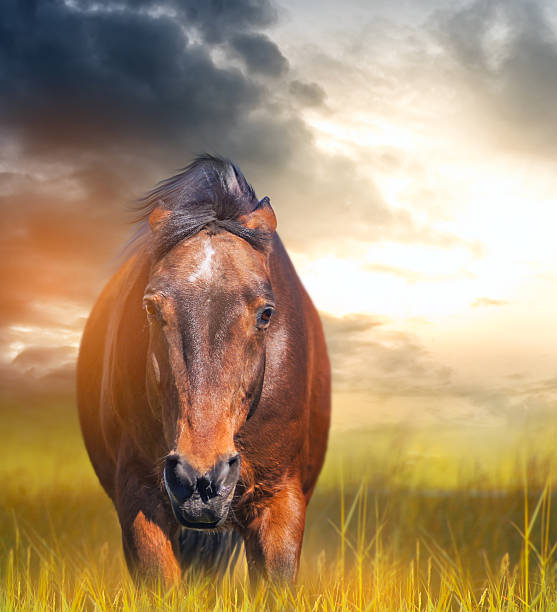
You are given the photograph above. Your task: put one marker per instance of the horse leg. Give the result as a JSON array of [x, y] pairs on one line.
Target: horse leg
[[273, 541], [148, 532]]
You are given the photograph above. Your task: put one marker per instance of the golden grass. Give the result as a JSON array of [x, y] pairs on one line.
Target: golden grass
[[438, 518]]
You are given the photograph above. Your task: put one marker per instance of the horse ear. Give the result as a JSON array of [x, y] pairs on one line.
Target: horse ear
[[158, 216], [262, 217]]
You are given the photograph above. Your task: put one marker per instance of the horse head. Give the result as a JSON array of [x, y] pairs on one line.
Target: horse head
[[208, 303]]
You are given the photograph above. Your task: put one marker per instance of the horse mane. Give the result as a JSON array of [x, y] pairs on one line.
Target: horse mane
[[210, 192]]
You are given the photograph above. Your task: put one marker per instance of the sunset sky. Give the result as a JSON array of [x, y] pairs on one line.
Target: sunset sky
[[408, 148]]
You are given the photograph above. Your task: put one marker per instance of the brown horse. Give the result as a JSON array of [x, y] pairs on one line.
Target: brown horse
[[204, 383]]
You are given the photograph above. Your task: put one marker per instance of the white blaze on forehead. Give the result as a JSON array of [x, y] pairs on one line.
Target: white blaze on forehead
[[205, 266]]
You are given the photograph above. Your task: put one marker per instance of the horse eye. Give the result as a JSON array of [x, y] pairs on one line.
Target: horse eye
[[264, 317], [150, 308]]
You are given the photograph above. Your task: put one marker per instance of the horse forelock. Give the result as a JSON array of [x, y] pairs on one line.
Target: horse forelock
[[210, 192]]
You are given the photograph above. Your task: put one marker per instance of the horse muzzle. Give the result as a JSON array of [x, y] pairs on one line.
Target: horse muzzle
[[201, 501]]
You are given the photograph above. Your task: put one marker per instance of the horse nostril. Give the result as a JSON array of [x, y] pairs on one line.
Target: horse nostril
[[171, 462], [179, 477], [221, 479], [170, 470], [206, 489]]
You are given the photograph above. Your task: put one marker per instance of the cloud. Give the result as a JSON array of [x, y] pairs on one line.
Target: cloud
[[506, 56], [414, 276], [40, 370], [307, 94], [43, 357], [56, 248], [84, 79], [260, 54], [485, 301], [367, 355], [400, 378], [218, 20]]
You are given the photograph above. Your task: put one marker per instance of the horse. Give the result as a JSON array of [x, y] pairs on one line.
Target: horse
[[203, 384]]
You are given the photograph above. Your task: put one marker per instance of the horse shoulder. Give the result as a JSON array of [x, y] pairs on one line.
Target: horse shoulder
[[101, 429]]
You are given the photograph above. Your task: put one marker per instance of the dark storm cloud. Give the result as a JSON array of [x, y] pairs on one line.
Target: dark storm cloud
[[96, 78], [507, 54], [260, 54], [218, 19]]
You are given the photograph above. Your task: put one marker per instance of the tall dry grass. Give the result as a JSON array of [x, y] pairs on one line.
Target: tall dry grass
[[431, 518]]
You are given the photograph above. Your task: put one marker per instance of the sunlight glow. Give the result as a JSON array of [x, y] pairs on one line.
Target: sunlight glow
[[402, 281], [360, 130]]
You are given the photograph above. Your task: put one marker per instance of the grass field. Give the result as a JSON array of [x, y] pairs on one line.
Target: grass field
[[430, 518]]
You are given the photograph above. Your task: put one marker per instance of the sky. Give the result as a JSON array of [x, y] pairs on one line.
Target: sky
[[408, 148]]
